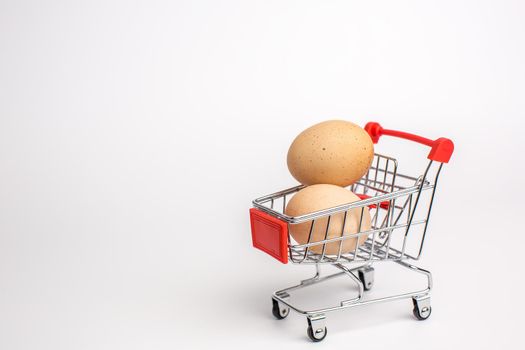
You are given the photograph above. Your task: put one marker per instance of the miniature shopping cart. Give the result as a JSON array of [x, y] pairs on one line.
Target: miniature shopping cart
[[399, 207]]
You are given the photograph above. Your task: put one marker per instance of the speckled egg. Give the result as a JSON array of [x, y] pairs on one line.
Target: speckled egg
[[318, 197], [334, 152]]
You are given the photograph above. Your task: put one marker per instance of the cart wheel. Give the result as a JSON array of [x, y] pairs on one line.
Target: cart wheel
[[316, 327], [421, 312], [279, 312], [318, 335], [366, 275]]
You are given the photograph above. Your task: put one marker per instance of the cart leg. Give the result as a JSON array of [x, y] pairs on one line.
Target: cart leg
[[313, 279], [316, 327], [422, 308], [366, 275], [356, 279], [279, 310], [419, 270]]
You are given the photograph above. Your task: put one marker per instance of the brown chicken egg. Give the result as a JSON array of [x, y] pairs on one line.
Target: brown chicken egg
[[322, 196], [334, 152]]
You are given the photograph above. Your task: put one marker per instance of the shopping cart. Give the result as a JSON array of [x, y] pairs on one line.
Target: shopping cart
[[399, 207]]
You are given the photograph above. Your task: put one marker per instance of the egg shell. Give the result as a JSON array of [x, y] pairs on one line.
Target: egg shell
[[334, 152], [323, 196]]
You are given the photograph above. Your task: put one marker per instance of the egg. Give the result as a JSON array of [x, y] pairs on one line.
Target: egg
[[323, 196], [333, 152]]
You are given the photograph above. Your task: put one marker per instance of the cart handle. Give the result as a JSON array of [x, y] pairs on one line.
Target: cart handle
[[442, 148]]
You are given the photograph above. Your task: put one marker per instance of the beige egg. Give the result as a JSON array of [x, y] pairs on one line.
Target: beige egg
[[332, 152], [323, 196]]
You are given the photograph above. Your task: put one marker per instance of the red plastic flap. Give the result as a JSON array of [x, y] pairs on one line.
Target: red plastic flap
[[269, 234]]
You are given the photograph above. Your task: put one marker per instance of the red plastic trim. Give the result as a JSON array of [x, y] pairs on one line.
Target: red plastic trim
[[442, 148], [269, 234], [383, 204]]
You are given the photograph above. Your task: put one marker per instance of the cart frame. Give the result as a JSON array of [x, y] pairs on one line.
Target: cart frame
[[398, 204]]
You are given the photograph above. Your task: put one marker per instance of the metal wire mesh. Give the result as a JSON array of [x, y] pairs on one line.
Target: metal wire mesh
[[391, 198]]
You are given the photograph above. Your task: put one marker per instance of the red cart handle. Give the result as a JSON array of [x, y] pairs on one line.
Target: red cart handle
[[441, 151]]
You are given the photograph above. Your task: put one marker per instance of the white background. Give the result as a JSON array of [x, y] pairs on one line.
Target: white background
[[134, 135]]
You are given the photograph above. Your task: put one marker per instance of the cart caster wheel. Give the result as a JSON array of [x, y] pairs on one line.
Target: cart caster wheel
[[317, 335], [366, 275], [279, 312], [422, 308], [316, 327]]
